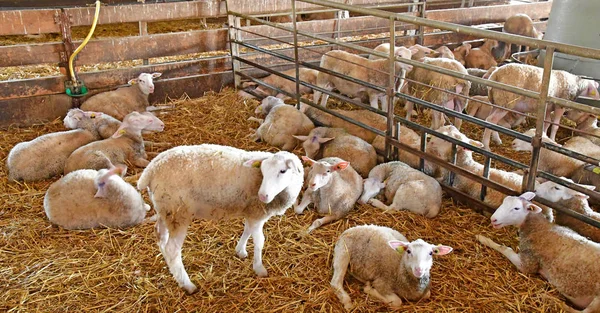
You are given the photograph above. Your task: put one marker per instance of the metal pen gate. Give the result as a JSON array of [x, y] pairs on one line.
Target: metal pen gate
[[304, 43]]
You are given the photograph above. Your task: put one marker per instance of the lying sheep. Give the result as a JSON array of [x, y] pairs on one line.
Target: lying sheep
[[424, 91], [482, 57], [333, 186], [481, 109], [324, 142], [562, 85], [124, 100], [306, 75], [217, 182], [556, 163], [390, 266], [281, 123], [574, 200], [408, 137], [88, 199], [588, 174], [45, 156], [126, 144], [461, 52], [364, 116], [405, 187], [567, 260], [372, 71], [586, 122]]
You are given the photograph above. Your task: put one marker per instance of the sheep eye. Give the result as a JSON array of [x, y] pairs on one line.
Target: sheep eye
[[555, 188], [430, 252], [328, 171], [101, 184], [516, 209], [408, 251], [282, 171]]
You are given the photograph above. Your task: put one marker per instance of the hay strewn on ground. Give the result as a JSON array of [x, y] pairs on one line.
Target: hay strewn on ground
[[48, 269]]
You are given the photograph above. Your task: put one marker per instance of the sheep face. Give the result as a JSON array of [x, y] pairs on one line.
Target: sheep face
[[279, 171], [514, 210], [554, 192], [321, 172], [102, 180], [267, 104], [592, 90], [74, 116], [312, 142], [418, 255], [136, 122], [145, 82], [371, 188]]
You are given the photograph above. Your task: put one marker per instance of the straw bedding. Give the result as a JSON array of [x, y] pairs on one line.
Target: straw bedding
[[47, 269]]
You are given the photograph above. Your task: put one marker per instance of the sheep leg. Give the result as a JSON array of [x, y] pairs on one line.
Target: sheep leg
[[240, 248], [508, 252], [341, 260], [380, 205], [392, 299], [374, 101], [437, 119], [254, 119], [256, 231], [162, 234], [289, 145], [151, 144], [558, 113], [316, 96], [322, 221], [141, 162], [306, 200], [173, 258], [496, 115], [384, 103], [409, 109], [152, 154]]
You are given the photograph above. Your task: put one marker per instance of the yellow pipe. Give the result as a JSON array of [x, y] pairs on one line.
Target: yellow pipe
[[85, 41]]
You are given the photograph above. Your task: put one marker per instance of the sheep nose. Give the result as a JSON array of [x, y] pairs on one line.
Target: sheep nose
[[494, 220], [313, 184], [262, 198]]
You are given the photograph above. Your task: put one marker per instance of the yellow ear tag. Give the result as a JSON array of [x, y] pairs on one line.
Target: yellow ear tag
[[259, 108], [93, 116], [596, 170], [256, 164], [122, 132], [400, 250]]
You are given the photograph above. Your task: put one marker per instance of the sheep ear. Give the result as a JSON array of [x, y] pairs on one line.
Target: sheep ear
[[91, 114], [340, 166], [301, 138], [291, 165], [398, 245], [156, 75], [413, 50], [528, 196], [382, 184], [441, 250], [101, 183], [533, 208], [254, 162], [476, 143], [324, 140], [120, 132], [133, 81], [581, 196], [308, 160]]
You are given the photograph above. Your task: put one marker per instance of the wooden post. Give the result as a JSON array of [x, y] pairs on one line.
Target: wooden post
[[143, 26]]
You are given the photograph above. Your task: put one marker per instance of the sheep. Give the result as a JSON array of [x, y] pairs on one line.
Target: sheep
[[562, 85], [479, 89], [566, 259], [405, 187], [216, 182], [482, 57], [408, 137], [586, 122], [120, 102], [372, 71], [45, 156], [481, 109], [323, 142], [588, 174], [574, 200], [333, 186], [418, 52], [390, 266], [306, 75], [126, 144], [461, 52], [364, 116], [282, 121], [519, 24], [556, 163], [439, 97], [86, 199]]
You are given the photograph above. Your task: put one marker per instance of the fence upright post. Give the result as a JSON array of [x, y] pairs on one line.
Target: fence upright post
[[391, 91], [234, 23], [143, 26], [421, 29], [536, 141], [296, 57]]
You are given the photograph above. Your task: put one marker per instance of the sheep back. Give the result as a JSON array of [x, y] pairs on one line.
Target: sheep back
[[118, 103], [281, 124]]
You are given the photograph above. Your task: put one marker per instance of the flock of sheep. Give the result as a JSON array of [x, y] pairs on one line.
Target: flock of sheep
[[220, 182]]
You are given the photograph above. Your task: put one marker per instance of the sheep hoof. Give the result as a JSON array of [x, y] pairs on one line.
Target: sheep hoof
[[190, 289], [348, 306], [483, 239], [242, 253], [260, 271]]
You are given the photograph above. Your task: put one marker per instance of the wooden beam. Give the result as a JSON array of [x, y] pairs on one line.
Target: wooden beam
[[491, 14], [27, 111], [23, 22], [119, 49]]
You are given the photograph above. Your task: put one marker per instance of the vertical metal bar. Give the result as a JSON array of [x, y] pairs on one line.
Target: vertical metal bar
[[397, 132], [143, 26], [536, 141], [486, 174], [234, 24], [421, 30], [423, 149], [294, 18], [391, 89], [453, 161]]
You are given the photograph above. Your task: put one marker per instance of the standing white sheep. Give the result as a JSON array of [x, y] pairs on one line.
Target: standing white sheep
[[120, 102], [390, 266], [281, 123], [333, 186], [371, 71], [573, 200], [405, 187], [562, 85], [566, 259], [46, 155], [323, 142], [217, 182], [126, 144], [88, 199]]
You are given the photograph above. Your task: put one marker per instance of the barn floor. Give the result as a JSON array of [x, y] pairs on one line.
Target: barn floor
[[48, 269]]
